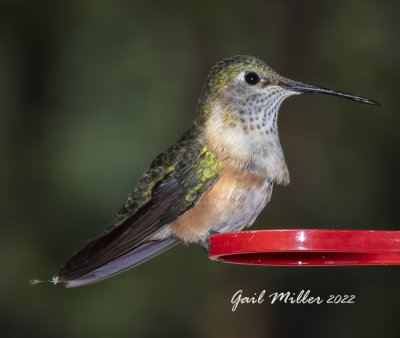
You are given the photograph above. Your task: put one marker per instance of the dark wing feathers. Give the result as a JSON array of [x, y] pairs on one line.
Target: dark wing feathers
[[132, 258], [156, 202], [148, 219]]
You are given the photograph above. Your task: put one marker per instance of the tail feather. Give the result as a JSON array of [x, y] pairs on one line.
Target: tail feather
[[132, 258]]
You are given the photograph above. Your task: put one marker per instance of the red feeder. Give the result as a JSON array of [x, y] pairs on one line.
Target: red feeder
[[307, 247]]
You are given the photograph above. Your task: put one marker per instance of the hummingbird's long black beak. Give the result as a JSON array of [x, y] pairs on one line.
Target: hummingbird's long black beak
[[305, 88]]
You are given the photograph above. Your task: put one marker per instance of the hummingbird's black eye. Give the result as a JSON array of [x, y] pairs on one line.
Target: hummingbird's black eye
[[252, 78]]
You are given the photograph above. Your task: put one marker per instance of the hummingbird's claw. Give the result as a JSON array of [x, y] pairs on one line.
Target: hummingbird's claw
[[205, 244]]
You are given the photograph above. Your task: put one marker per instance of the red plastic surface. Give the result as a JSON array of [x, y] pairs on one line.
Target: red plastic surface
[[307, 247]]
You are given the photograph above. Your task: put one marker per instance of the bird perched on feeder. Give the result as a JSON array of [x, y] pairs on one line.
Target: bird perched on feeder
[[216, 178]]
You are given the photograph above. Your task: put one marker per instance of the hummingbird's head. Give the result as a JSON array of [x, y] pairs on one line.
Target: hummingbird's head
[[239, 108], [247, 93]]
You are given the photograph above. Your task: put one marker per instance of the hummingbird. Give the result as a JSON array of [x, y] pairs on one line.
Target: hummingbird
[[217, 178]]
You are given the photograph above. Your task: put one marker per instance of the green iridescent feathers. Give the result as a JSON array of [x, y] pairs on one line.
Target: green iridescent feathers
[[189, 161]]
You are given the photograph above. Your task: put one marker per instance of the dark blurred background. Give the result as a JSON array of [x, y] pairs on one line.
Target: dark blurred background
[[91, 91]]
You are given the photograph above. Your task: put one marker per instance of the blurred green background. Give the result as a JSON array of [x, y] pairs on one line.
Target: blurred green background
[[91, 91]]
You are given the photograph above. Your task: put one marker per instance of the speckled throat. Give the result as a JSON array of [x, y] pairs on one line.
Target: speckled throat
[[243, 129]]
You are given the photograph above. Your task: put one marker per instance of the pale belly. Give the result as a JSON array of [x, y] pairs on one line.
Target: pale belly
[[232, 203]]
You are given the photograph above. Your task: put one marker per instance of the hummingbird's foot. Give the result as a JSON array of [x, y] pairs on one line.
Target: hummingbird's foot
[[205, 244]]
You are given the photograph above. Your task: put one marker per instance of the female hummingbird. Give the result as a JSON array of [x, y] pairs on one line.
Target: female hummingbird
[[216, 178]]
